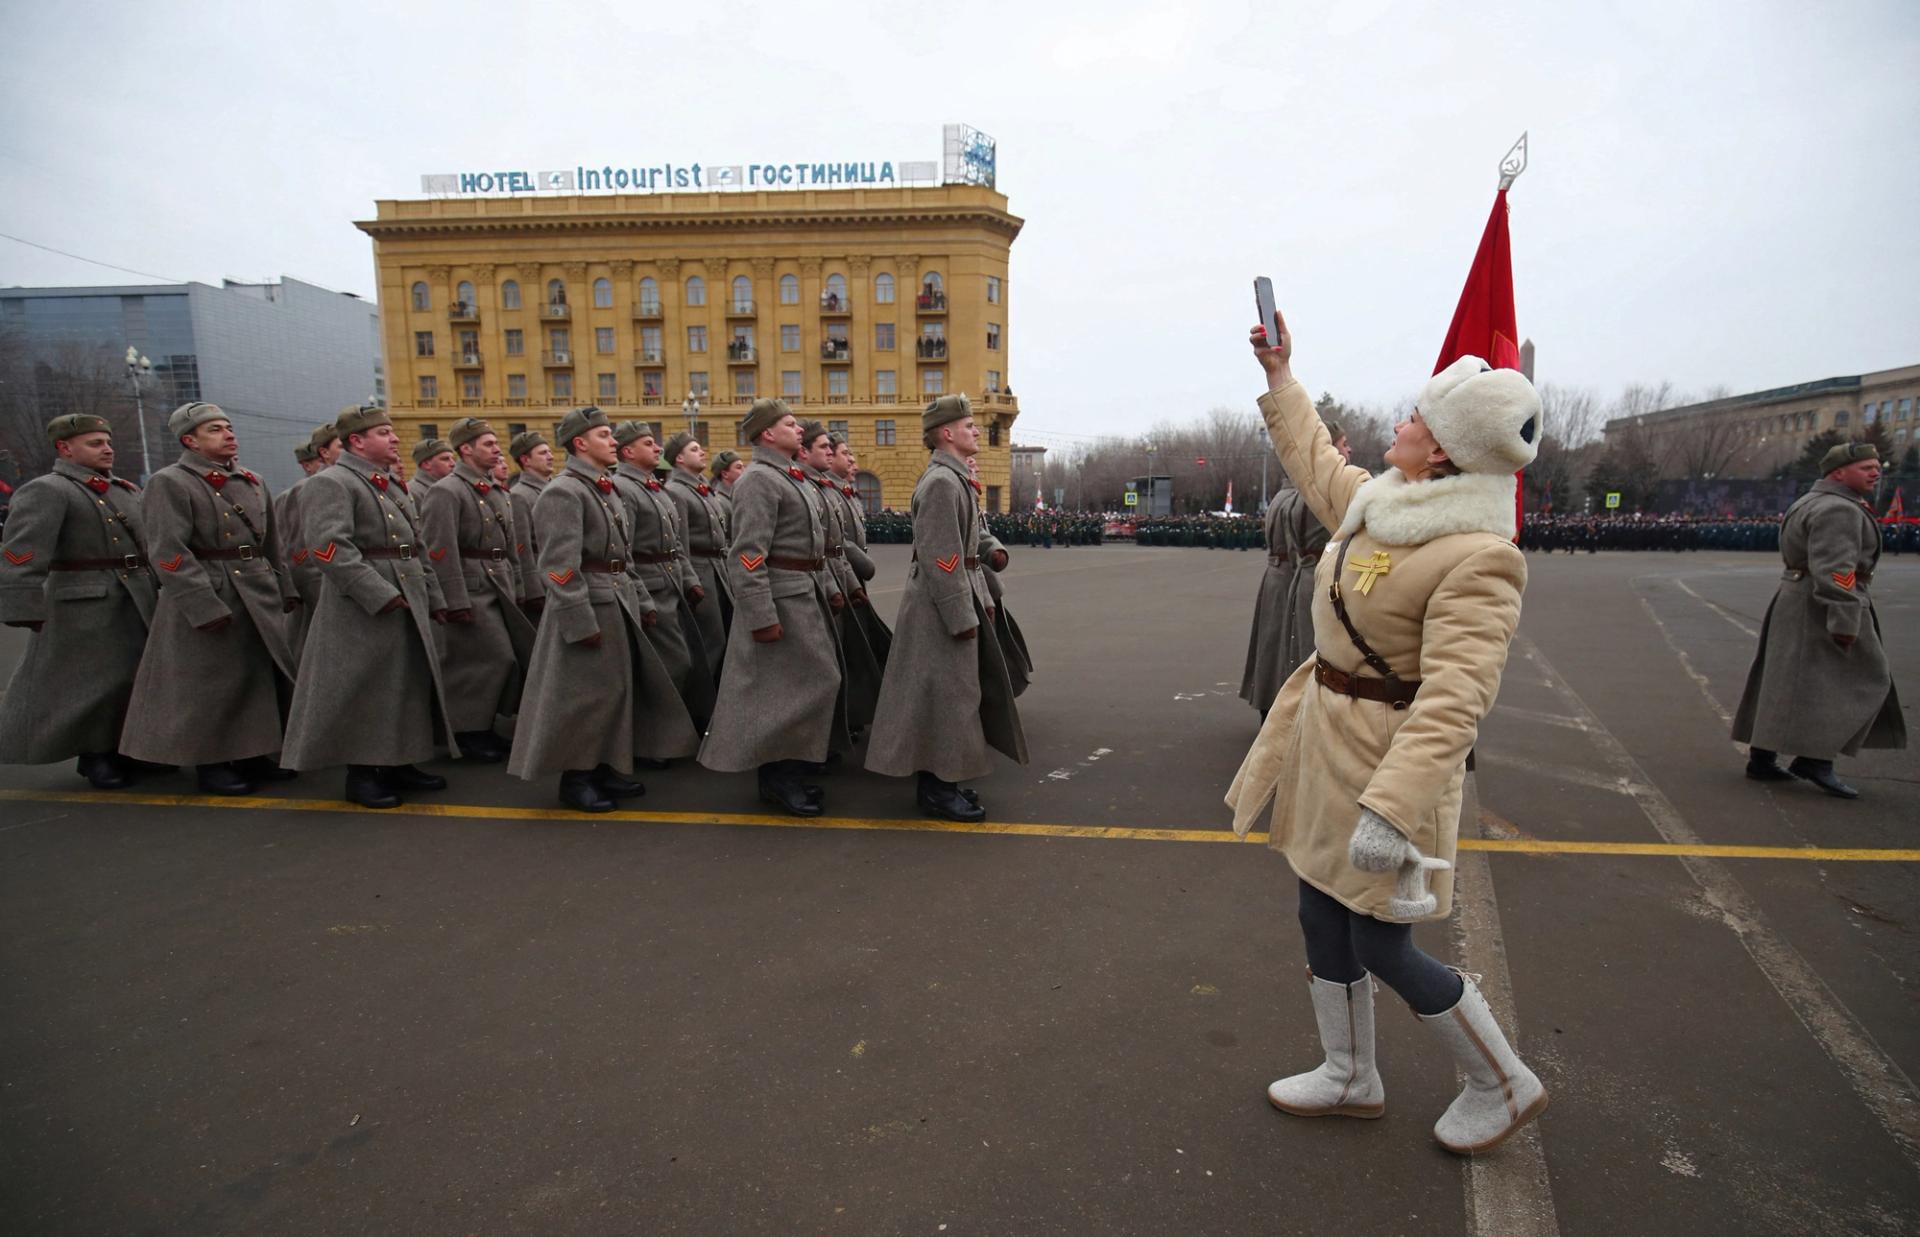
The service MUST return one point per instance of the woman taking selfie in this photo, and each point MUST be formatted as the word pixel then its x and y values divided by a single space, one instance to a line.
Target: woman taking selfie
pixel 1364 752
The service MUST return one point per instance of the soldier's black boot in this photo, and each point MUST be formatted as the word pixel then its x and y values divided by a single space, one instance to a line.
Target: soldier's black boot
pixel 948 801
pixel 608 781
pixel 780 785
pixel 262 769
pixel 366 787
pixel 1764 766
pixel 104 770
pixel 481 745
pixel 406 777
pixel 1820 773
pixel 223 779
pixel 578 791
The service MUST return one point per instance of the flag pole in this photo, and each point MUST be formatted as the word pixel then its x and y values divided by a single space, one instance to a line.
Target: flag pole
pixel 1512 164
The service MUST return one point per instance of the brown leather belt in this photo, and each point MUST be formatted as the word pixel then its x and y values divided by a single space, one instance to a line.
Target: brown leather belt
pixel 796 564
pixel 708 553
pixel 1798 573
pixel 972 563
pixel 496 553
pixel 653 559
pixel 604 566
pixel 837 552
pixel 390 551
pixel 242 552
pixel 1398 693
pixel 1309 556
pixel 1276 560
pixel 126 562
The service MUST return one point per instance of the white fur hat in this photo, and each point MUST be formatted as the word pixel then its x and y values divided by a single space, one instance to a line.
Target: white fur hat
pixel 1487 420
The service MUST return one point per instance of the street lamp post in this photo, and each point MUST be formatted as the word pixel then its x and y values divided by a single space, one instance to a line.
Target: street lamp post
pixel 691 407
pixel 139 367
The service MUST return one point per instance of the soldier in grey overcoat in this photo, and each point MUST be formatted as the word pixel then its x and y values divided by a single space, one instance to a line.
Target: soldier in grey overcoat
pixel 533 456
pixel 704 525
pixel 475 550
pixel 1013 642
pixel 74 573
pixel 853 524
pixel 659 563
pixel 433 459
pixel 948 695
pixel 861 663
pixel 597 694
pixel 323 447
pixel 218 658
pixel 782 703
pixel 1266 666
pixel 372 696
pixel 1820 685
pixel 727 467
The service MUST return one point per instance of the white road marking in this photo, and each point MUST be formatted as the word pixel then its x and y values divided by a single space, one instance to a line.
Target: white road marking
pixel 1719 609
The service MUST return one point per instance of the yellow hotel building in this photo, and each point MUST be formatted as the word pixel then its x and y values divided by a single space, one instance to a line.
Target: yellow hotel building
pixel 855 305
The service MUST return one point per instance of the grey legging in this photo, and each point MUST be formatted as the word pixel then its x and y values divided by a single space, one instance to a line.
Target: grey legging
pixel 1343 945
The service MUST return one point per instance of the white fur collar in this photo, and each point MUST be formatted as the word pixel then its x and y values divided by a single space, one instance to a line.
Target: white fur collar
pixel 1401 512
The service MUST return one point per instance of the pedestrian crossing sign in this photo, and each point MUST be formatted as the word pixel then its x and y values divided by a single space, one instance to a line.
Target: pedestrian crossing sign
pixel 1613 500
pixel 1132 498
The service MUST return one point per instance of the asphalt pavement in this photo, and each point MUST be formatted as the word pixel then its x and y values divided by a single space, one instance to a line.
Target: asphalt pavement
pixel 483 1014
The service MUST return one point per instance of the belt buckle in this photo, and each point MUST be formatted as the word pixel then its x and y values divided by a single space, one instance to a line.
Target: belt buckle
pixel 130 562
pixel 496 553
pixel 246 553
pixel 405 549
pixel 619 565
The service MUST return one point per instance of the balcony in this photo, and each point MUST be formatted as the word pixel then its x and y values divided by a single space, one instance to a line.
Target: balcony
pixel 739 353
pixel 741 307
pixel 1000 399
pixel 462 311
pixel 839 399
pixel 557 360
pixel 467 401
pixel 516 401
pixel 650 356
pixel 833 305
pixel 931 349
pixel 427 401
pixel 836 350
pixel 559 312
pixel 648 311
pixel 467 358
pixel 886 397
pixel 652 399
pixel 931 303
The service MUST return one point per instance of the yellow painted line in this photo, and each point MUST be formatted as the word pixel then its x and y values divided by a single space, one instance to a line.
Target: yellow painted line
pixel 469 811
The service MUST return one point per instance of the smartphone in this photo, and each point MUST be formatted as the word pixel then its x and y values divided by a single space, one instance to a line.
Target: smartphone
pixel 1269 317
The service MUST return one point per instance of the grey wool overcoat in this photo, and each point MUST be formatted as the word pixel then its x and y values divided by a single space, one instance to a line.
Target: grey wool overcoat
pixel 475 550
pixel 703 525
pixel 602 702
pixel 1307 540
pixel 204 697
pixel 524 490
pixel 1013 641
pixel 69 694
pixel 1806 695
pixel 295 561
pixel 660 567
pixel 857 654
pixel 853 525
pixel 1267 665
pixel 785 700
pixel 370 690
pixel 945 700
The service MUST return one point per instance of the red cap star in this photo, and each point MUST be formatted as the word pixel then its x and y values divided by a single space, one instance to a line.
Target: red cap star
pixel 99 485
pixel 216 479
pixel 380 481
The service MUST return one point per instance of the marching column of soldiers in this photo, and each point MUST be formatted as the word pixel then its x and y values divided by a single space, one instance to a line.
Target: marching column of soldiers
pixel 619 603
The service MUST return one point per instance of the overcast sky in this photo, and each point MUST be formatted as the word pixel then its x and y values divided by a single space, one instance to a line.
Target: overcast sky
pixel 1720 193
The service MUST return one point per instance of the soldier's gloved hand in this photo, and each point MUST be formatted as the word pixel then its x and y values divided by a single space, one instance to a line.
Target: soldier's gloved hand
pixel 999 560
pixel 968 634
pixel 398 603
pixel 650 620
pixel 767 635
pixel 219 624
pixel 1377 846
pixel 290 605
pixel 837 603
pixel 860 597
pixel 439 616
pixel 1844 641
pixel 991 613
pixel 29 624
pixel 696 595
pixel 462 617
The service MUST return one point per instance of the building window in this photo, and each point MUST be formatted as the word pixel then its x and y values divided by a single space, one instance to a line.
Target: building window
pixel 562 385
pixel 422 299
pixel 789 384
pixel 603 339
pixel 652 383
pixel 696 339
pixel 603 294
pixel 465 293
pixel 429 390
pixel 1841 418
pixel 837 385
pixel 697 383
pixel 993 436
pixel 650 295
pixel 510 294
pixel 993 289
pixel 696 290
pixel 932 292
pixel 743 386
pixel 837 427
pixel 1905 406
pixel 429 430
pixel 609 389
pixel 884 384
pixel 933 381
pixel 742 294
pixel 883 289
pixel 515 428
pixel 993 380
pixel 469 344
pixel 993 499
pixel 789 290
pixel 470 387
pixel 516 342
pixel 883 434
pixel 557 339
pixel 556 292
pixel 1866 414
pixel 883 337
pixel 837 290
pixel 423 343
pixel 993 337
pixel 740 346
pixel 652 345
pixel 516 386
pixel 789 338
pixel 869 487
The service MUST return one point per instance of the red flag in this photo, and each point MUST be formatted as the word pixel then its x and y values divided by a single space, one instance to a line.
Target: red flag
pixel 1896 508
pixel 1483 323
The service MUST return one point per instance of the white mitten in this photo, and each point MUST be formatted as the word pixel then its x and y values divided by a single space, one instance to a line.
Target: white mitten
pixel 1378 847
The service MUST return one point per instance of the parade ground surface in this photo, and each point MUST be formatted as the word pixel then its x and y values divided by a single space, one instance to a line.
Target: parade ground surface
pixel 482 1014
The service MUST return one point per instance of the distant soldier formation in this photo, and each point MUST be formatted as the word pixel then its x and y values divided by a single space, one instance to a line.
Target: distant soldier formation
pixel 1575 533
pixel 620 603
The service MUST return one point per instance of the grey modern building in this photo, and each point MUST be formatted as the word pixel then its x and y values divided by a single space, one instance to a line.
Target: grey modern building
pixel 279 357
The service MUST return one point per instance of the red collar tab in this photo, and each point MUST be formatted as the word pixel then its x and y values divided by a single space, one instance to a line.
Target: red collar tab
pixel 705 490
pixel 653 485
pixel 483 487
pixel 217 480
pixel 380 481
pixel 796 474
pixel 850 491
pixel 604 484
pixel 99 485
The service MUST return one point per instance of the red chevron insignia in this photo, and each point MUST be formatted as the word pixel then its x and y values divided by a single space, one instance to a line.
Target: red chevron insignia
pixel 18 560
pixel 300 556
pixel 437 555
pixel 173 564
pixel 560 577
pixel 326 555
pixel 947 564
pixel 1844 579
pixel 752 562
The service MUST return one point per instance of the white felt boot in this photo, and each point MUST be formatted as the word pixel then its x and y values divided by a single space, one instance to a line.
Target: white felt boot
pixel 1501 1094
pixel 1346 1084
